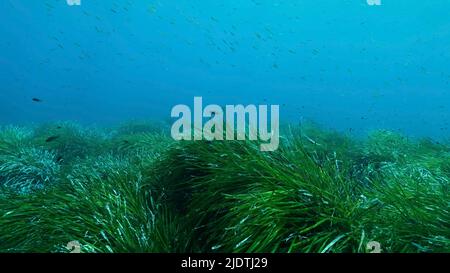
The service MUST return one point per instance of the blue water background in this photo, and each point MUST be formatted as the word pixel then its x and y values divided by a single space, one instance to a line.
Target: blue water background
pixel 342 63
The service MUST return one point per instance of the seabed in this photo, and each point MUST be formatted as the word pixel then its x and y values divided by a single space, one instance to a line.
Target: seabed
pixel 132 188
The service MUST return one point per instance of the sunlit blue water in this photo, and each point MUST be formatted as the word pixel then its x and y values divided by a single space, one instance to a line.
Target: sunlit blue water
pixel 342 63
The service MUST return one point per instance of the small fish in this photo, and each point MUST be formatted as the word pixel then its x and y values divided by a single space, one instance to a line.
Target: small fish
pixel 52 138
pixel 36 100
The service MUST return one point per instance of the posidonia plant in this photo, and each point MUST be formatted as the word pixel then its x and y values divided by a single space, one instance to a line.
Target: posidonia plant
pixel 134 189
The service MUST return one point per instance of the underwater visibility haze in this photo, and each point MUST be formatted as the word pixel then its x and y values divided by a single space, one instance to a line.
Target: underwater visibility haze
pixel 88 157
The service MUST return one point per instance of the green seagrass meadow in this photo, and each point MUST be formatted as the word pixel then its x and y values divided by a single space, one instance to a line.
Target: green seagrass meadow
pixel 132 188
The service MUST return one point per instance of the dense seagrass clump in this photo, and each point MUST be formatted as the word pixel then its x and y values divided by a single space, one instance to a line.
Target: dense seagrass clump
pixel 133 189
